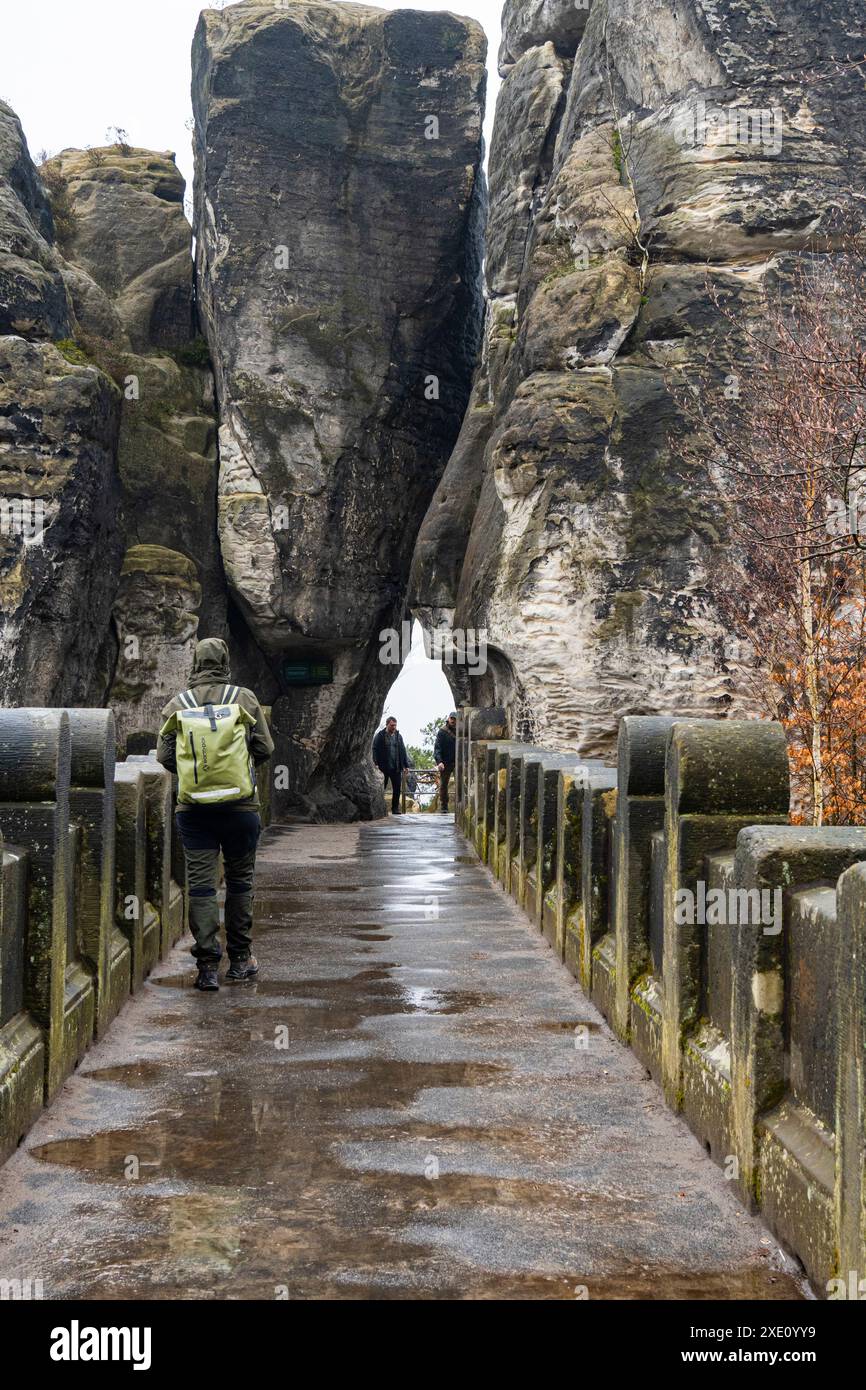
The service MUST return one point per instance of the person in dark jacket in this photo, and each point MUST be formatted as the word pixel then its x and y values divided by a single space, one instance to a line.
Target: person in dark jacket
pixel 445 756
pixel 232 827
pixel 390 757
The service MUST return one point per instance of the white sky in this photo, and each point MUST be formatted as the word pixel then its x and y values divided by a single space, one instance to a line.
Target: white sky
pixel 73 68
pixel 419 694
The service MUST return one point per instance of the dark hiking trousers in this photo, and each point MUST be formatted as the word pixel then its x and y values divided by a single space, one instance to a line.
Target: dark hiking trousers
pixel 444 779
pixel 396 780
pixel 204 831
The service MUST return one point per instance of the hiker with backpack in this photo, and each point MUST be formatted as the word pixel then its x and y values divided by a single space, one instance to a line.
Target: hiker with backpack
pixel 213 736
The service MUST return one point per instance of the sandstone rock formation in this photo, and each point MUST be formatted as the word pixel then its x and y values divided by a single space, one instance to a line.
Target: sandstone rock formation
pixel 129 272
pixel 33 298
pixel 107 434
pixel 59 528
pixel 156 617
pixel 130 234
pixel 641 150
pixel 338 219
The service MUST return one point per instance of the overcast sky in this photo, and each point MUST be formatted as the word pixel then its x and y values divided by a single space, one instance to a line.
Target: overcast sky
pixel 72 68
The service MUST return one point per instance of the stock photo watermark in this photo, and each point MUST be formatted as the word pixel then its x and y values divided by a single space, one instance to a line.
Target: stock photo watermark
pixel 451 646
pixel 704 125
pixel 24 518
pixel 729 907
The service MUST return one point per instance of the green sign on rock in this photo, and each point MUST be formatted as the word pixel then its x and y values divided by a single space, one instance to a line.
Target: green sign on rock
pixel 308 672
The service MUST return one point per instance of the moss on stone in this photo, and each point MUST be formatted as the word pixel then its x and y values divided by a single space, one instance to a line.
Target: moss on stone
pixel 74 353
pixel 195 353
pixel 156 559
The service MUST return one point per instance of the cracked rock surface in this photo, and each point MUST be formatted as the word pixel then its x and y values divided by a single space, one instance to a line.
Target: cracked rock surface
pixel 645 156
pixel 338 218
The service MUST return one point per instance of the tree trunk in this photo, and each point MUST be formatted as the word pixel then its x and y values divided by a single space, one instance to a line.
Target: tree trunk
pixel 810 668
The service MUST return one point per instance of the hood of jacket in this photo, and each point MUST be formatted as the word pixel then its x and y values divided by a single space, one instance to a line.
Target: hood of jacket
pixel 211 662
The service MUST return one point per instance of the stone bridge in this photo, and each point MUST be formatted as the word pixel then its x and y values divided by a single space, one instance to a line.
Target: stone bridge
pixel 421 1097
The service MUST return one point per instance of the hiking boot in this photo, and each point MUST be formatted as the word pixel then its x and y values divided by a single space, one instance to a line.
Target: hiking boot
pixel 207 978
pixel 243 969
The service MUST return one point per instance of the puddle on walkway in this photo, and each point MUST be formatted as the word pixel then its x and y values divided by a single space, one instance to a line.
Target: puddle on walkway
pixel 133 1074
pixel 216 1130
pixel 424 999
pixel 567 1026
pixel 310 1165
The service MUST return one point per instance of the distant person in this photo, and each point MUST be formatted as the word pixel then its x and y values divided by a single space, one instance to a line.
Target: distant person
pixel 212 736
pixel 390 757
pixel 445 756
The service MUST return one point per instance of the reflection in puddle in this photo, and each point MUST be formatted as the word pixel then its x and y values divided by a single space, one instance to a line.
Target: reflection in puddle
pixel 241 988
pixel 567 1025
pixel 218 1131
pixel 427 1000
pixel 133 1074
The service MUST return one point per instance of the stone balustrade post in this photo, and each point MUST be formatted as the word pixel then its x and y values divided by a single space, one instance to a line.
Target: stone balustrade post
pixel 136 918
pixel 640 811
pixel 23 1056
pixel 35 755
pixel 162 892
pixel 771 858
pixel 721 776
pixel 850 1168
pixel 103 947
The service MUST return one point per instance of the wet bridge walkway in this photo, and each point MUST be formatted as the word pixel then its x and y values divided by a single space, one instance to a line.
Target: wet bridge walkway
pixel 401 1107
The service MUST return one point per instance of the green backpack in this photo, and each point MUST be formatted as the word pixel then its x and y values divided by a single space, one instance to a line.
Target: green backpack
pixel 213 760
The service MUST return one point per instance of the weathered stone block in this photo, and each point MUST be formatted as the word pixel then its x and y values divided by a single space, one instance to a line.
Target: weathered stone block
pixel 135 916
pixel 796 1177
pixel 527 847
pixel 640 810
pixel 500 852
pixel 159 819
pixel 850 1120
pixel 706 1063
pixel 545 872
pixel 721 776
pixel 34 813
pixel 23 1057
pixel 770 859
pixel 571 785
pixel 103 948
pixel 596 949
pixel 79 991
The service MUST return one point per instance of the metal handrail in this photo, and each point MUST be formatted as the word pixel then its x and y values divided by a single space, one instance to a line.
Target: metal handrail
pixel 428 776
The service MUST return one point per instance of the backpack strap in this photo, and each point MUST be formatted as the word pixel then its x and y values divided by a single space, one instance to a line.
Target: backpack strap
pixel 187 700
pixel 230 694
